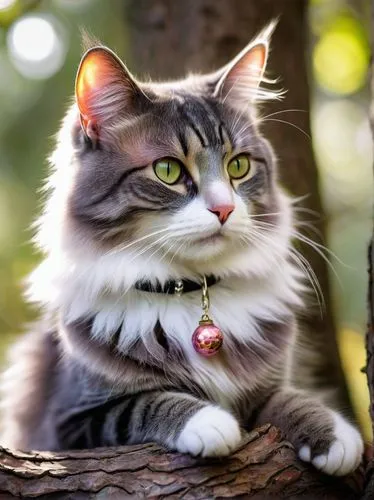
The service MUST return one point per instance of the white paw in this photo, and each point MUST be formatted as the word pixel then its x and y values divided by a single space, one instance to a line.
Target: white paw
pixel 344 454
pixel 211 432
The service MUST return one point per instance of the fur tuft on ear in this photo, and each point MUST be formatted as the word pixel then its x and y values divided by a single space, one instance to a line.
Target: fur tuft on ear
pixel 241 79
pixel 104 89
pixel 88 40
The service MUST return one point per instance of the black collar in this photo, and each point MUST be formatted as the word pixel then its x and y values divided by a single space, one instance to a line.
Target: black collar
pixel 175 287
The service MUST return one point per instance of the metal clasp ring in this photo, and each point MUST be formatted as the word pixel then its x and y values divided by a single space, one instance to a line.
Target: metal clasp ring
pixel 205 300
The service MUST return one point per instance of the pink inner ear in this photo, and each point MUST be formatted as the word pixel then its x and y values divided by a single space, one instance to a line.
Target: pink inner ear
pixel 255 59
pixel 95 73
pixel 245 74
pixel 251 65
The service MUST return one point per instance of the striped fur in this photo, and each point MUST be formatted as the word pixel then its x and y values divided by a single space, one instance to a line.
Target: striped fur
pixel 116 365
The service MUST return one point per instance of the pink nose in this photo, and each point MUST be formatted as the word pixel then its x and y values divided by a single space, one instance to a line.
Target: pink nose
pixel 222 212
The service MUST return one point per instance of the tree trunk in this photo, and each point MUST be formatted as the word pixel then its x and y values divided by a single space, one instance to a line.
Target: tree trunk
pixel 264 467
pixel 170 37
pixel 369 490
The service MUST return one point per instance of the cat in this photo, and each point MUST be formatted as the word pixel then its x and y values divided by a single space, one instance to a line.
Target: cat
pixel 155 186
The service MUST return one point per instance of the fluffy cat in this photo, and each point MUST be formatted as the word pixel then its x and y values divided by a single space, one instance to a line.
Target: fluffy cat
pixel 153 183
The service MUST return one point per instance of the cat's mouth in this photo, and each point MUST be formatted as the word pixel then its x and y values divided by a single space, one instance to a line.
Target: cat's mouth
pixel 211 238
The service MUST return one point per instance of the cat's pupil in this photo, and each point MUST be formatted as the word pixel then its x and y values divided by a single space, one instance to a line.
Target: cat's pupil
pixel 168 169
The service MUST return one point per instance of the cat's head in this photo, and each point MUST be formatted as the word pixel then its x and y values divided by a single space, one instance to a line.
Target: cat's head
pixel 176 173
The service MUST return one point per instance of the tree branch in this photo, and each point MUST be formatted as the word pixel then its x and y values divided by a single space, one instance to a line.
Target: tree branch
pixel 264 467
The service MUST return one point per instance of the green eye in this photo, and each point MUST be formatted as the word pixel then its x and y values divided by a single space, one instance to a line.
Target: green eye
pixel 167 170
pixel 239 167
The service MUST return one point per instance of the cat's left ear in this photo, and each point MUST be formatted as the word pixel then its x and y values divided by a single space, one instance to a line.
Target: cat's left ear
pixel 240 80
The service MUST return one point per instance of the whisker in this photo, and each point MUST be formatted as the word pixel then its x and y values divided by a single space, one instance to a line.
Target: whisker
pixel 307 211
pixel 319 248
pixel 309 226
pixel 171 227
pixel 287 123
pixel 237 117
pixel 161 247
pixel 290 110
pixel 120 248
pixel 316 246
pixel 312 277
pixel 177 251
pixel 148 247
pixel 253 216
pixel 300 260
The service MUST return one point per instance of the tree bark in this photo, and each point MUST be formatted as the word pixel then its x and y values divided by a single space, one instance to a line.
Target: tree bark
pixel 264 467
pixel 369 490
pixel 170 37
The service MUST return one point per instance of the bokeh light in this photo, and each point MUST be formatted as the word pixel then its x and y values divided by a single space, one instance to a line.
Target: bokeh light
pixel 343 147
pixel 341 56
pixel 6 4
pixel 37 46
pixel 9 10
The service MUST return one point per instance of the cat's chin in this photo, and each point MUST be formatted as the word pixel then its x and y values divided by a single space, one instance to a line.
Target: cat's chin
pixel 212 239
pixel 207 247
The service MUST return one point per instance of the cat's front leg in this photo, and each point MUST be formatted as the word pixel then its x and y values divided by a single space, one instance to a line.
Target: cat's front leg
pixel 320 435
pixel 176 420
pixel 186 424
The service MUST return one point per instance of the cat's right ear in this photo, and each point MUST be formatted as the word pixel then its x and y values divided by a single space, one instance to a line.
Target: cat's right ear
pixel 104 90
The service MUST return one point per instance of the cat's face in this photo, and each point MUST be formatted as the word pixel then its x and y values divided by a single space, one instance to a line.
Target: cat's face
pixel 177 171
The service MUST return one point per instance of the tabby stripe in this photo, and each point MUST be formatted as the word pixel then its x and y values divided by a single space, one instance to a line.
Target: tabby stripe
pixel 144 416
pixel 183 141
pixel 220 133
pixel 147 195
pixel 161 336
pixel 115 186
pixel 95 428
pixel 109 433
pixel 150 410
pixel 77 417
pixel 113 344
pixel 259 159
pixel 123 421
pixel 168 403
pixel 121 218
pixel 211 118
pixel 191 124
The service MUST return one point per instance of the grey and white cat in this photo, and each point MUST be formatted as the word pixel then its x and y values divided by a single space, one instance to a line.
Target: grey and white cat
pixel 155 183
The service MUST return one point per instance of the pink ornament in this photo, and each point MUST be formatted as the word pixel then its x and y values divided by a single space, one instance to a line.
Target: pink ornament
pixel 207 339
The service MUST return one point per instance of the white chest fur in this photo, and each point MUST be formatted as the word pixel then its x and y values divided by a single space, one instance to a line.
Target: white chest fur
pixel 237 307
pixel 239 303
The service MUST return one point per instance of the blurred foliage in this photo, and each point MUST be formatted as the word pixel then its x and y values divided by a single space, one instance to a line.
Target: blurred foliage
pixel 39 54
pixel 31 110
pixel 11 10
pixel 341 54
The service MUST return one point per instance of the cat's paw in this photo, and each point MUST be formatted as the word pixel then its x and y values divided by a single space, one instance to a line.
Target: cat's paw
pixel 344 453
pixel 211 432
